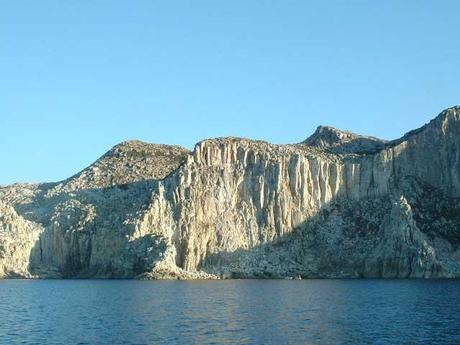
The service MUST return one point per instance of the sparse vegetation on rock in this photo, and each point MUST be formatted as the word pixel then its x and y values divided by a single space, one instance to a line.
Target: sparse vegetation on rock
pixel 335 205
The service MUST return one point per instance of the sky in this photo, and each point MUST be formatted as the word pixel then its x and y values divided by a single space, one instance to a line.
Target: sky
pixel 78 77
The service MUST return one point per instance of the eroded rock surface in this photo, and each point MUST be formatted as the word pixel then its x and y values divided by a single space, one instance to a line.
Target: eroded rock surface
pixel 335 205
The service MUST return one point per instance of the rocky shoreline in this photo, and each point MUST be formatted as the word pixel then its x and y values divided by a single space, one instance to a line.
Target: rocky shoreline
pixel 337 205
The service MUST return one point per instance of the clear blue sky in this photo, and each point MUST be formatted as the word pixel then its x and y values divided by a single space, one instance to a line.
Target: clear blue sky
pixel 77 77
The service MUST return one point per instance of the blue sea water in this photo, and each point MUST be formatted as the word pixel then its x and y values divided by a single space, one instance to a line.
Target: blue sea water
pixel 230 312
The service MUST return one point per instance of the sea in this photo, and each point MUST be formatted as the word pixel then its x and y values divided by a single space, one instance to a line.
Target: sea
pixel 281 312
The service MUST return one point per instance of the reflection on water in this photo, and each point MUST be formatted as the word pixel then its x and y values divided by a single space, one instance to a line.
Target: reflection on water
pixel 230 312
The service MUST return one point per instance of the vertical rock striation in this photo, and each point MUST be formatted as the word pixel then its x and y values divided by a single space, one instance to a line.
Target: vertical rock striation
pixel 335 205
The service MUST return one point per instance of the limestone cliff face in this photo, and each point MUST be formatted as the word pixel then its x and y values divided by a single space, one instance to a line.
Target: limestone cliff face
pixel 17 239
pixel 335 205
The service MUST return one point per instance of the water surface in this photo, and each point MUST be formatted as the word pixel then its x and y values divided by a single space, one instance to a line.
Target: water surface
pixel 230 312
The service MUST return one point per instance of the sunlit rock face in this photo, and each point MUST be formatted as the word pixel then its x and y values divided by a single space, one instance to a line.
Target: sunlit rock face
pixel 336 205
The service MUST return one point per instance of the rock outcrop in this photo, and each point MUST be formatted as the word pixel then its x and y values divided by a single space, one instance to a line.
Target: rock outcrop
pixel 335 205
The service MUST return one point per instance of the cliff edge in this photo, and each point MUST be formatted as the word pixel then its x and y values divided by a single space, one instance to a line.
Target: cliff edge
pixel 335 205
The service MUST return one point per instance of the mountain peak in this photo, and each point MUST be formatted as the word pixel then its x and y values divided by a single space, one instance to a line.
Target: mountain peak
pixel 128 162
pixel 339 141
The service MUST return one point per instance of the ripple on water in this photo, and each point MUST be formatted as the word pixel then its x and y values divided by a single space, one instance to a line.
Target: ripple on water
pixel 230 312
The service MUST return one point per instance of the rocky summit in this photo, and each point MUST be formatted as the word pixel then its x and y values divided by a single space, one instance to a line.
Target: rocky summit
pixel 335 205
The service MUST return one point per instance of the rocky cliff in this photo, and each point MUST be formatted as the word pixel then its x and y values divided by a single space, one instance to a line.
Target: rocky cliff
pixel 336 205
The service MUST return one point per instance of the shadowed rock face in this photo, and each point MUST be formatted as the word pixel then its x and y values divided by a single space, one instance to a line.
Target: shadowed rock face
pixel 335 205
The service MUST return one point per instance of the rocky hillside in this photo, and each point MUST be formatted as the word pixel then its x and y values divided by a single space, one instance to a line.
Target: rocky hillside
pixel 336 205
